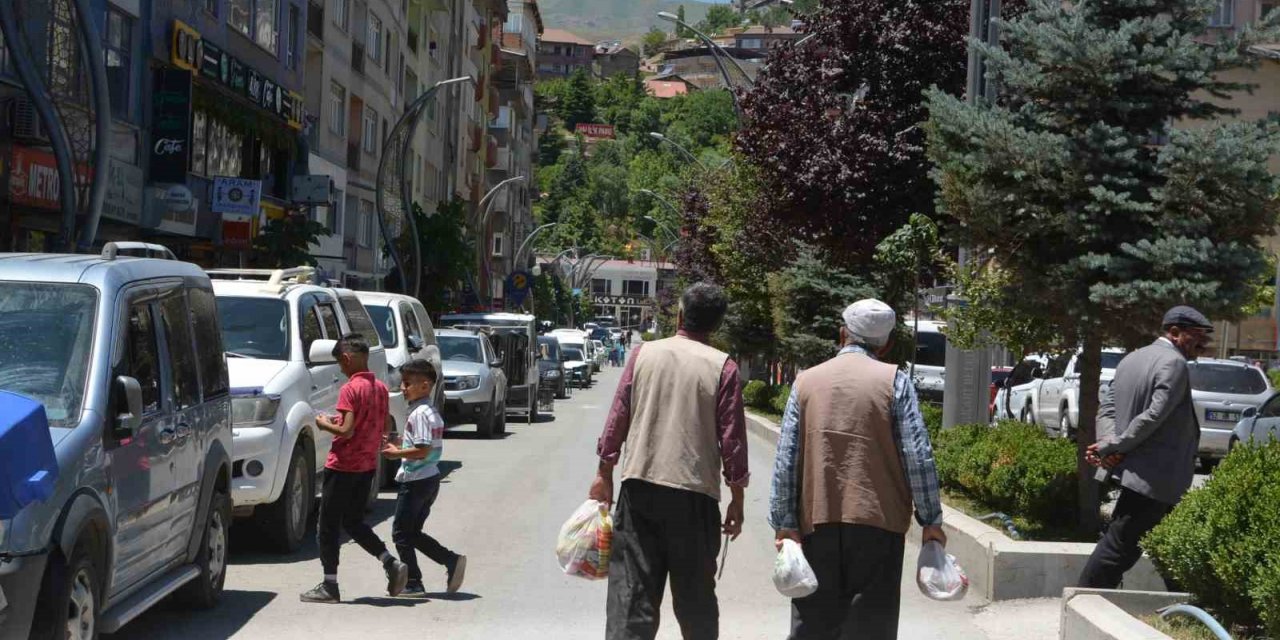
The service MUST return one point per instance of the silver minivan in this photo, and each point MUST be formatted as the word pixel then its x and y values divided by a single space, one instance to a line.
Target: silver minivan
pixel 126 358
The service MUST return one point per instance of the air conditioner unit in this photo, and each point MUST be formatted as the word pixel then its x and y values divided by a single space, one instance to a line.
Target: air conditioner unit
pixel 26 121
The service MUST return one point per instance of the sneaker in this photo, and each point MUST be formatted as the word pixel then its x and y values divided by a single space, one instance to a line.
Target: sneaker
pixel 397 577
pixel 324 593
pixel 414 590
pixel 457 571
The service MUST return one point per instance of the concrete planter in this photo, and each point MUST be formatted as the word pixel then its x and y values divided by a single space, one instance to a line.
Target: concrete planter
pixel 1102 614
pixel 1000 568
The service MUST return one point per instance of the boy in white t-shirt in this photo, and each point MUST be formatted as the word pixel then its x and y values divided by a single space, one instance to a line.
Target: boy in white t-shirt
pixel 419 479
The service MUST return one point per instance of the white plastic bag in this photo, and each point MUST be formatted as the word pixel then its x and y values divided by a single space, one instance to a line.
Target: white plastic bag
pixel 938 575
pixel 585 541
pixel 792 574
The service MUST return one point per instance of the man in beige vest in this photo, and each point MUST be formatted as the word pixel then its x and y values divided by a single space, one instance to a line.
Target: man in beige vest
pixel 853 457
pixel 677 416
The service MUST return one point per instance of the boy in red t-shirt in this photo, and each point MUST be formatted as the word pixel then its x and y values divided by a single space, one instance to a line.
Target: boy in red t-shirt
pixel 349 472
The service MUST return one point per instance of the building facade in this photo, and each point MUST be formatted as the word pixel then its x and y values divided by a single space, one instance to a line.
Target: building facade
pixel 612 58
pixel 561 53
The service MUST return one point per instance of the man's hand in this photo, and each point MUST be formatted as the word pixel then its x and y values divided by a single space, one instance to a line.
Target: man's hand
pixel 390 450
pixel 602 488
pixel 1093 457
pixel 785 534
pixel 933 532
pixel 733 520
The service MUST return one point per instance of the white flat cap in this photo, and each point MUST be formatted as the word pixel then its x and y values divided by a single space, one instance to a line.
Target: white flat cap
pixel 871 320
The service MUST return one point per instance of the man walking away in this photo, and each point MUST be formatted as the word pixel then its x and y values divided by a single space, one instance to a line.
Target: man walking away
pixel 853 457
pixel 678 409
pixel 1148 437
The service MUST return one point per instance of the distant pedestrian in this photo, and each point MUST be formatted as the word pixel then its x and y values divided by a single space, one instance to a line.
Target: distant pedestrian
pixel 618 354
pixel 853 457
pixel 678 418
pixel 1148 439
pixel 351 469
pixel 419 479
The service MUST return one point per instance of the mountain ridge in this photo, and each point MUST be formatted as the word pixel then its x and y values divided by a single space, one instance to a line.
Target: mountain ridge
pixel 616 19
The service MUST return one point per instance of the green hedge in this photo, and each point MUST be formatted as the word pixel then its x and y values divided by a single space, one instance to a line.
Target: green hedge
pixel 1222 542
pixel 1011 467
pixel 932 415
pixel 757 394
pixel 781 394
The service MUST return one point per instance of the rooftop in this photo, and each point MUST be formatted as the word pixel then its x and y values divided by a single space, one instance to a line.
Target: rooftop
pixel 562 36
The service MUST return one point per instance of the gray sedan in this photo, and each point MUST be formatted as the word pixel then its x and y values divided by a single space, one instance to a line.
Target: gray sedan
pixel 1222 390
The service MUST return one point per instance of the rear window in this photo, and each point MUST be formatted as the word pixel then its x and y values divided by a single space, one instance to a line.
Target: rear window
pixel 1225 378
pixel 359 319
pixel 1111 360
pixel 931 349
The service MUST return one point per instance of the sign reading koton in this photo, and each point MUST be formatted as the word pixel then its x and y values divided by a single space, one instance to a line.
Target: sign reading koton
pixel 236 195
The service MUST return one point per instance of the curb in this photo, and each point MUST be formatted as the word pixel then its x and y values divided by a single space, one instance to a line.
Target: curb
pixel 1103 614
pixel 764 428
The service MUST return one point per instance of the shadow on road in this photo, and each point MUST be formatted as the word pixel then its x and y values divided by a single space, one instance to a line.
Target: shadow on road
pixel 234 611
pixel 454 597
pixel 454 434
pixel 248 547
pixel 384 602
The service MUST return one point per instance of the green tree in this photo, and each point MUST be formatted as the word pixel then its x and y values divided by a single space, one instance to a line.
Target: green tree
pixel 681 32
pixel 653 40
pixel 1097 215
pixel 447 254
pixel 577 102
pixel 808 298
pixel 285 242
pixel 616 99
pixel 719 18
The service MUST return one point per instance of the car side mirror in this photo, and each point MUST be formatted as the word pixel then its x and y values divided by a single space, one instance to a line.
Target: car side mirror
pixel 1249 412
pixel 126 424
pixel 321 352
pixel 416 344
pixel 495 363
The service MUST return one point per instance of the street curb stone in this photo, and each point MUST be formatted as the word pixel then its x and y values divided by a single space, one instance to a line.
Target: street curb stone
pixel 1102 614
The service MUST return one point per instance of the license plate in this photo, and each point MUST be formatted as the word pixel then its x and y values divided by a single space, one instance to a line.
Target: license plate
pixel 1222 416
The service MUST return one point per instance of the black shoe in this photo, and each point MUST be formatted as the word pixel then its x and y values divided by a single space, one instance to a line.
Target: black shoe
pixel 324 593
pixel 397 576
pixel 457 571
pixel 414 590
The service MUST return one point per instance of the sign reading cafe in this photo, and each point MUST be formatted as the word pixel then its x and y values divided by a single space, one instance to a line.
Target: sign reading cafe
pixel 209 61
pixel 170 125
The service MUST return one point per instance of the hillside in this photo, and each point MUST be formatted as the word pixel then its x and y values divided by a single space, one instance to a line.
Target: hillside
pixel 615 19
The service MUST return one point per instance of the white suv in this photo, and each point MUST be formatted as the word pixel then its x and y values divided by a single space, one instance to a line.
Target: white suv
pixel 279 331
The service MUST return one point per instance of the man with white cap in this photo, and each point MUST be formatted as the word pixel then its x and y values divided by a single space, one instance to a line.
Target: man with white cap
pixel 853 457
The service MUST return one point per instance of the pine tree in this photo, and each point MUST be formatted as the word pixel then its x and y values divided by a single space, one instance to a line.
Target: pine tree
pixel 1098 217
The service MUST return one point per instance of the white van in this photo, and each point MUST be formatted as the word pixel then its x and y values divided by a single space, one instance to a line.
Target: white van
pixel 577 353
pixel 930 363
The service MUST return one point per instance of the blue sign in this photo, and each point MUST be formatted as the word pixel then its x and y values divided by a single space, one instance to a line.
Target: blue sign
pixel 518 284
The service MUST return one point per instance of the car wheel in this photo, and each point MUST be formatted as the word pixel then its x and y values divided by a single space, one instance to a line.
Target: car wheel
pixel 205 591
pixel 1064 426
pixel 500 419
pixel 562 391
pixel 69 600
pixel 487 422
pixel 1025 415
pixel 1231 444
pixel 533 405
pixel 284 522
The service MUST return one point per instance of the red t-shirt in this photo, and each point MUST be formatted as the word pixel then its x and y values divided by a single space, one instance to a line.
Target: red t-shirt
pixel 366 398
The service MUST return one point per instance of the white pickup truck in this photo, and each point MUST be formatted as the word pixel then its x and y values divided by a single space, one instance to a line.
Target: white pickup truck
pixel 1056 405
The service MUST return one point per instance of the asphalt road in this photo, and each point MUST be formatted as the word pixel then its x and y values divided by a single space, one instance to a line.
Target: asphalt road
pixel 502 505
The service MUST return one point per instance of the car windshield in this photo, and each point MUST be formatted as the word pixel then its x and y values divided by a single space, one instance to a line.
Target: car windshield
pixel 931 349
pixel 568 354
pixel 46 338
pixel 254 327
pixel 463 349
pixel 1111 360
pixel 550 348
pixel 1225 378
pixel 385 322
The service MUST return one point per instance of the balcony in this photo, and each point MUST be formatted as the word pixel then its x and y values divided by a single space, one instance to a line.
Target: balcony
pixel 357 57
pixel 413 41
pixel 491 155
pixel 315 20
pixel 353 155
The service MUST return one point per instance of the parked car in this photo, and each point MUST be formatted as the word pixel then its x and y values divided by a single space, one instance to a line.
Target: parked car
pixel 1221 391
pixel 1015 400
pixel 551 368
pixel 515 340
pixel 930 365
pixel 575 352
pixel 998 376
pixel 405 331
pixel 1257 426
pixel 279 330
pixel 475 386
pixel 125 355
pixel 1057 403
pixel 601 354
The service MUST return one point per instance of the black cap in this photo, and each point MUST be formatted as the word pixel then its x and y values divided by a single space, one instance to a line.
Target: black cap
pixel 1184 316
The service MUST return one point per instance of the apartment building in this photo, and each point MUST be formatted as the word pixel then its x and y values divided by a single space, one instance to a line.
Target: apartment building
pixel 560 53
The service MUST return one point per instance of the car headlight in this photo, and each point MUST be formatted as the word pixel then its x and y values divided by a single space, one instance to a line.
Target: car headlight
pixel 551 373
pixel 257 411
pixel 468 382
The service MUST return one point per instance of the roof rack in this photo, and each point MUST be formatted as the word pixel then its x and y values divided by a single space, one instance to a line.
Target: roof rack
pixel 273 277
pixel 111 250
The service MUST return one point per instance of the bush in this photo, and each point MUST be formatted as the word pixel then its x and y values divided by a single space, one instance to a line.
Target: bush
pixel 757 394
pixel 932 415
pixel 1274 374
pixel 1222 542
pixel 781 394
pixel 1011 467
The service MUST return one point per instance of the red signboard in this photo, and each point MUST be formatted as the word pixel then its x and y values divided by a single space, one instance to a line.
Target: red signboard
pixel 34 179
pixel 237 232
pixel 596 130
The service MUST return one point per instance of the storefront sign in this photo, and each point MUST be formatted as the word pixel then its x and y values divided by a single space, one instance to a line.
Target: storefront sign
pixel 123 199
pixel 605 131
pixel 170 125
pixel 209 61
pixel 236 195
pixel 237 232
pixel 626 301
pixel 174 221
pixel 34 180
pixel 178 198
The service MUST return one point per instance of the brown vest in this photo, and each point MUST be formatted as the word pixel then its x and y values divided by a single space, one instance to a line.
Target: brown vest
pixel 850 466
pixel 673 441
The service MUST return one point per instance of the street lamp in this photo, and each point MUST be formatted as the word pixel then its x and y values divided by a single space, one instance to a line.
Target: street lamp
pixel 666 203
pixel 724 71
pixel 529 239
pixel 664 227
pixel 692 158
pixel 486 204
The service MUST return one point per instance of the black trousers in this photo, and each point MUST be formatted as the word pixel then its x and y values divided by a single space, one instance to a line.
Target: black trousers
pixel 660 532
pixel 859 571
pixel 1119 550
pixel 342 501
pixel 413 506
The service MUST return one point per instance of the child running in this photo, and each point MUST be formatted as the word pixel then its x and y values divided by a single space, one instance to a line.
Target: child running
pixel 419 479
pixel 350 469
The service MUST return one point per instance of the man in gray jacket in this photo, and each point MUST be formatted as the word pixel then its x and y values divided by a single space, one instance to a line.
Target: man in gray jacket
pixel 1148 437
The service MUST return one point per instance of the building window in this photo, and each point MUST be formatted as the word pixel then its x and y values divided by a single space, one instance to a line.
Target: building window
pixel 341 15
pixel 291 43
pixel 499 244
pixel 364 228
pixel 211 6
pixel 241 15
pixel 255 19
pixel 370 130
pixel 635 288
pixel 337 109
pixel 266 28
pixel 1224 15
pixel 64 55
pixel 373 40
pixel 215 149
pixel 333 220
pixel 601 287
pixel 118 50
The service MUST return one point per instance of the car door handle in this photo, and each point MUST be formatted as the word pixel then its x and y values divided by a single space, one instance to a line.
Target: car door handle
pixel 167 436
pixel 183 431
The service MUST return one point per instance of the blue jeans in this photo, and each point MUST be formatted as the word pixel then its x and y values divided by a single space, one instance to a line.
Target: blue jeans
pixel 413 505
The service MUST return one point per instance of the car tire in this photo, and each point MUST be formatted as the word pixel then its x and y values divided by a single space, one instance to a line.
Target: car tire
pixel 284 522
pixel 1024 416
pixel 70 599
pixel 533 405
pixel 500 419
pixel 1231 444
pixel 486 424
pixel 1065 430
pixel 562 391
pixel 205 591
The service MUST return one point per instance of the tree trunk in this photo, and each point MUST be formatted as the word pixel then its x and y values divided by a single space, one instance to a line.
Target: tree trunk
pixel 1090 370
